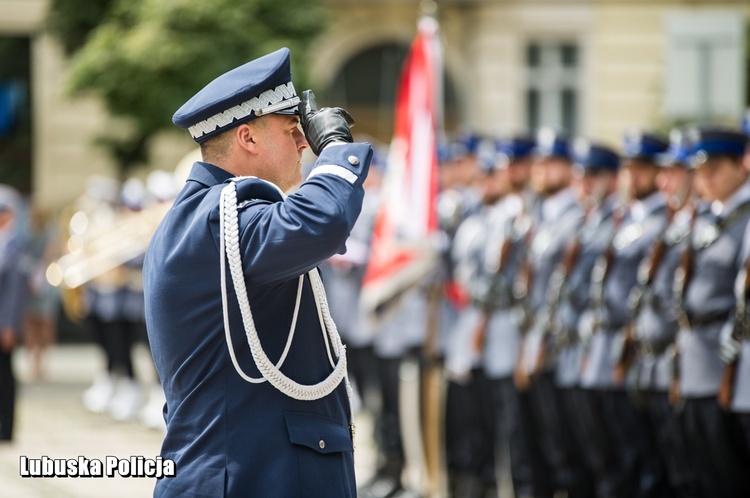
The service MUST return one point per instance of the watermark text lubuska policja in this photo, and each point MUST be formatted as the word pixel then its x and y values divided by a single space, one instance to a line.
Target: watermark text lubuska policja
pixel 112 466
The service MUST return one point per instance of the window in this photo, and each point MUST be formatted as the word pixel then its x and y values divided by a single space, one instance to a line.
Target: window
pixel 15 113
pixel 553 72
pixel 705 66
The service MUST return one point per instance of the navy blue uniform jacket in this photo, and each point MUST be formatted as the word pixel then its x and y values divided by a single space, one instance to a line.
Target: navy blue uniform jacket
pixel 228 437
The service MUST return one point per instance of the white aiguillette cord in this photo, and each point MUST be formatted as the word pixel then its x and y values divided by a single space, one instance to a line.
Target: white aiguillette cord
pixel 229 250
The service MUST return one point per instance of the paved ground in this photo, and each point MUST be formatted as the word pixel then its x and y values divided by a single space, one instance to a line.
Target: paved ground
pixel 51 421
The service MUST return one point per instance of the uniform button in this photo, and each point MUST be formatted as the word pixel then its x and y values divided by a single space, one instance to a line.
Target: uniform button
pixel 353 160
pixel 322 444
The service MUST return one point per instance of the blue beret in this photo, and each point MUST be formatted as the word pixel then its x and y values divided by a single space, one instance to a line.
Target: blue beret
pixel 678 153
pixel 470 142
pixel 645 146
pixel 449 151
pixel 505 151
pixel 552 143
pixel 486 154
pixel 259 87
pixel 707 142
pixel 592 158
pixel 515 147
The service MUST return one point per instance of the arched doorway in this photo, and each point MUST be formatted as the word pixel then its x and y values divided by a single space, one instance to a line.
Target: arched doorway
pixel 366 86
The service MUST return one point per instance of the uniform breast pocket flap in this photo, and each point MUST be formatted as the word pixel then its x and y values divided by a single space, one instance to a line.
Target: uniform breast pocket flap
pixel 318 432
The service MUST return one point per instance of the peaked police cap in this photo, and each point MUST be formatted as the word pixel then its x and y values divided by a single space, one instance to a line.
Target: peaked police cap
pixel 259 87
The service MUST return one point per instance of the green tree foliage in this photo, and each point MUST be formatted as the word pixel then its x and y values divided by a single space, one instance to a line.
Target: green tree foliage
pixel 73 20
pixel 145 58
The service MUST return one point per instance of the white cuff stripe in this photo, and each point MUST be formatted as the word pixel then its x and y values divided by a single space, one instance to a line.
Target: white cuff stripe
pixel 332 169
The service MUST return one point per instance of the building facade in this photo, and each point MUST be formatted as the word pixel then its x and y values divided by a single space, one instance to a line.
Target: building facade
pixel 591 67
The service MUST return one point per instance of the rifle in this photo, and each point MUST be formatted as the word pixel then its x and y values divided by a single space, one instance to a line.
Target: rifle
pixel 645 280
pixel 683 275
pixel 521 287
pixel 558 281
pixel 480 332
pixel 518 229
pixel 601 271
pixel 740 331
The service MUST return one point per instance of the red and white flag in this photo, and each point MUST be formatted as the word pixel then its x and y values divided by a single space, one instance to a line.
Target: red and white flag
pixel 403 249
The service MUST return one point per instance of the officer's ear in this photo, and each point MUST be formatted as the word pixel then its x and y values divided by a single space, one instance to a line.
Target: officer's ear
pixel 246 136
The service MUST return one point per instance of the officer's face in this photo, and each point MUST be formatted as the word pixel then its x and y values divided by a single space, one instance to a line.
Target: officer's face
pixel 673 181
pixel 518 174
pixel 467 170
pixel 550 175
pixel 5 218
pixel 594 185
pixel 494 185
pixel 720 177
pixel 280 146
pixel 641 178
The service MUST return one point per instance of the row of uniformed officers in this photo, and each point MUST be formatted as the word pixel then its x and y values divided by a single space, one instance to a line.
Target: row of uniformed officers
pixel 593 328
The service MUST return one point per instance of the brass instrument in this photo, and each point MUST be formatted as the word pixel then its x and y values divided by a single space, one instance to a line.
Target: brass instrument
pixel 101 239
pixel 95 251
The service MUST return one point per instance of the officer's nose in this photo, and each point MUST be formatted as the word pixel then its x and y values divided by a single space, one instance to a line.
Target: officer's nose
pixel 300 140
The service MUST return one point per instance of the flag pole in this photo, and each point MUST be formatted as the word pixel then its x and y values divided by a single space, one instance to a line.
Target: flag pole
pixel 432 379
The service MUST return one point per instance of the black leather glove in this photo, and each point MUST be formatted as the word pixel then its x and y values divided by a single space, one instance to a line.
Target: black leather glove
pixel 321 127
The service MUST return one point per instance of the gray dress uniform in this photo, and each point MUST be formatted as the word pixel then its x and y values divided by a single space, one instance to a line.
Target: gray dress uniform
pixel 557 465
pixel 480 362
pixel 636 468
pixel 720 246
pixel 631 243
pixel 583 407
pixel 710 298
pixel 482 409
pixel 656 331
pixel 503 335
pixel 560 218
pixel 476 253
pixel 469 430
pixel 594 238
pixel 657 324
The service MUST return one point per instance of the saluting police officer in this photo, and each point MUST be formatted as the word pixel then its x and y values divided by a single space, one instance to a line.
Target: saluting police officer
pixel 718 249
pixel 596 167
pixel 558 216
pixel 250 361
pixel 635 471
pixel 484 342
